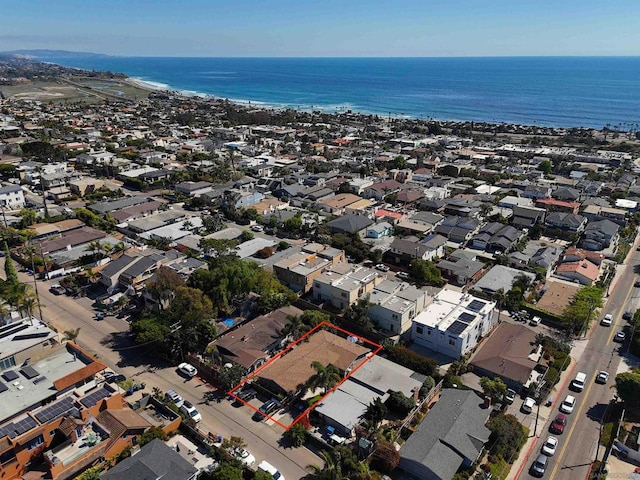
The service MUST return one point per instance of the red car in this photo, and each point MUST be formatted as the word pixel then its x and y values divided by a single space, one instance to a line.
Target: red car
pixel 557 426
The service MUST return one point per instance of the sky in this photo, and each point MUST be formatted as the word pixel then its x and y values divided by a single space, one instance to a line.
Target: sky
pixel 327 28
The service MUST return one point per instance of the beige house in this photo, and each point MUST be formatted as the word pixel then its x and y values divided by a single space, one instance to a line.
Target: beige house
pixel 343 284
pixel 338 204
pixel 300 270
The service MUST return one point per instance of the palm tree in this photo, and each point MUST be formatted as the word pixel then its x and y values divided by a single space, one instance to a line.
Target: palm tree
pixel 93 247
pixel 71 335
pixel 325 377
pixel 118 249
pixel 107 248
pixel 294 328
pixel 332 469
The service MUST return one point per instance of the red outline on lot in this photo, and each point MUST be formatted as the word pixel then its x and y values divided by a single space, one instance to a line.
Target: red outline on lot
pixel 376 348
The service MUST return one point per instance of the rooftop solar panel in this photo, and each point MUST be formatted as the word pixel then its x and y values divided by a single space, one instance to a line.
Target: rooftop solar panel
pixel 15 429
pixel 94 397
pixel 55 410
pixel 28 336
pixel 466 317
pixel 10 375
pixel 3 387
pixel 476 305
pixel 456 328
pixel 29 372
pixel 19 328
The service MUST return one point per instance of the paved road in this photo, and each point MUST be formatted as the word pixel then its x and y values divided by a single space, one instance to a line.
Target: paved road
pixel 108 340
pixel 579 443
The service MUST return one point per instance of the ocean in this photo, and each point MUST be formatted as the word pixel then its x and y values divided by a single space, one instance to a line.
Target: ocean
pixel 544 91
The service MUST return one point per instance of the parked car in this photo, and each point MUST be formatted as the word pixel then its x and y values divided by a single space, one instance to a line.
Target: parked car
pixel 509 396
pixel 602 377
pixel 558 424
pixel 528 404
pixel 607 320
pixel 245 457
pixel 266 409
pixel 539 466
pixel 382 267
pixel 403 275
pixel 268 468
pixel 190 411
pixel 257 228
pixel 245 396
pixel 620 336
pixel 100 316
pixel 174 397
pixel 57 289
pixel 549 446
pixel 187 369
pixel 627 315
pixel 113 377
pixel 568 404
pixel 535 321
pixel 637 283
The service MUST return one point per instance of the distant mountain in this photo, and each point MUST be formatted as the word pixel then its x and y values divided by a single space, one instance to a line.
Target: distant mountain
pixel 52 54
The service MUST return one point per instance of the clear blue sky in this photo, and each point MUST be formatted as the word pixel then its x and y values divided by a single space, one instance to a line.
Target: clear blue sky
pixel 325 28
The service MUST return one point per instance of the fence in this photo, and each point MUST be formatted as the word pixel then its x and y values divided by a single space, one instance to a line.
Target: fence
pixel 432 393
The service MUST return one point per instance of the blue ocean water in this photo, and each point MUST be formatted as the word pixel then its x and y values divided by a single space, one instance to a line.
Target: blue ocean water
pixel 551 91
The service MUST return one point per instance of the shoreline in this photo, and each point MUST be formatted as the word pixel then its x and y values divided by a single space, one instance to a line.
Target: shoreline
pixel 335 109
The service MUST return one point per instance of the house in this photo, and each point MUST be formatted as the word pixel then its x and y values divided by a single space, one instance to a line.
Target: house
pixel 496 237
pixel 343 284
pixel 251 344
pixel 566 194
pixel 457 229
pixel 546 257
pixel 337 205
pixel 193 189
pixel 392 305
pixel 12 197
pixel 527 217
pixel 510 353
pixel 344 408
pixel 453 323
pixel 511 202
pixel 537 191
pixel 597 212
pixel 154 461
pixel 350 224
pixel 583 272
pixel 573 254
pixel 460 271
pixel 84 186
pixel 568 222
pixel 501 278
pixel 403 250
pixel 556 296
pixel 379 230
pixel 452 435
pixel 381 189
pixel 600 235
pixel 292 370
pixel 241 198
pixel 553 205
pixel 300 270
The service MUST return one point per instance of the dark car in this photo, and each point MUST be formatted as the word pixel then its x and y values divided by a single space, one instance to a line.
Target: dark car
pixel 539 466
pixel 57 289
pixel 558 424
pixel 266 409
pixel 112 377
pixel 627 315
pixel 245 396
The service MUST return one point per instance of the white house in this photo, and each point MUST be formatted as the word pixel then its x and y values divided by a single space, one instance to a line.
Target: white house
pixel 12 197
pixel 394 304
pixel 453 323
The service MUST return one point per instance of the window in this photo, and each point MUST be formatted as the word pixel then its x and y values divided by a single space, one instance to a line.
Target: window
pixel 7 362
pixel 419 330
pixel 35 442
pixel 452 342
pixel 394 316
pixel 344 294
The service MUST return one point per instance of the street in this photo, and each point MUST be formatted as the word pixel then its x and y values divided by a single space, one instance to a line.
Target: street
pixel 578 445
pixel 108 340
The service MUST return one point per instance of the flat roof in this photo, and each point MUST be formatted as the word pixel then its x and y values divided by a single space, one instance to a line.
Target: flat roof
pixel 24 394
pixel 173 231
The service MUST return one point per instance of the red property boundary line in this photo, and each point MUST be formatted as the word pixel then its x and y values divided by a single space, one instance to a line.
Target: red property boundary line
pixel 375 349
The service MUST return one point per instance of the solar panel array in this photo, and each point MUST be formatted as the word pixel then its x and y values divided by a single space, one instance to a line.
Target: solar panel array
pixel 56 410
pixel 3 387
pixel 15 429
pixel 11 331
pixel 476 305
pixel 29 372
pixel 39 379
pixel 94 397
pixel 466 317
pixel 28 336
pixel 10 375
pixel 457 327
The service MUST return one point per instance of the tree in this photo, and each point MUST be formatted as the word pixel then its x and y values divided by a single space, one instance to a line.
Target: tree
pixel 28 216
pixel 376 412
pixel 9 268
pixel 358 314
pixel 226 471
pixel 494 388
pixel 261 475
pixel 546 167
pixel 151 434
pixel 425 272
pixel 233 442
pixel 296 435
pixel 246 235
pixel 628 387
pixel 398 402
pixel 162 286
pixel 213 223
pixel 412 360
pixel 507 435
pixel 230 376
pixel 72 335
pixel 325 377
pixel 385 457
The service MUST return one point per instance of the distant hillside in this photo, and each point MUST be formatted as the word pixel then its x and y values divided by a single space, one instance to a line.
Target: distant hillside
pixel 51 53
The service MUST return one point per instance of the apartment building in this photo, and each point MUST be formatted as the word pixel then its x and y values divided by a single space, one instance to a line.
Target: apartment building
pixel 300 270
pixel 343 284
pixel 395 304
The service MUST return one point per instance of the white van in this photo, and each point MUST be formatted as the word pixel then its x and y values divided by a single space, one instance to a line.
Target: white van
pixel 268 468
pixel 578 382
